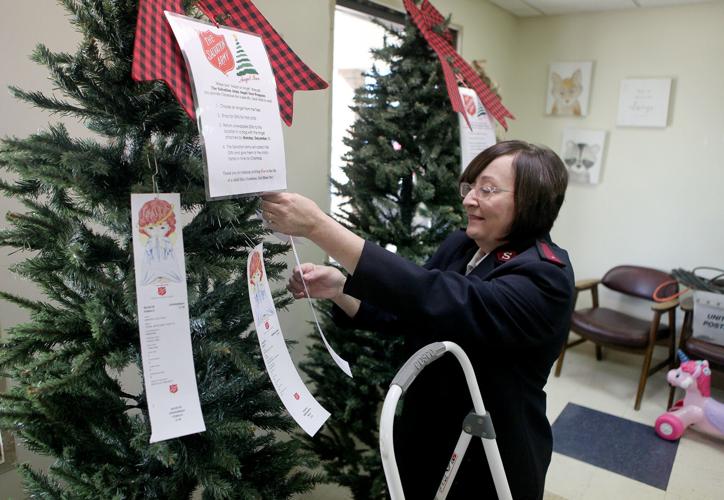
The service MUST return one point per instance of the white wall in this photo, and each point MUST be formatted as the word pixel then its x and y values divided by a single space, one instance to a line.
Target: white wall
pixel 659 200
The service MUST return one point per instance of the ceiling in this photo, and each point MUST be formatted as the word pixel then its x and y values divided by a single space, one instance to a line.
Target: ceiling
pixel 531 8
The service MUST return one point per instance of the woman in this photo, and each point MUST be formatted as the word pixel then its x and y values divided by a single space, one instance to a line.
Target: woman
pixel 500 289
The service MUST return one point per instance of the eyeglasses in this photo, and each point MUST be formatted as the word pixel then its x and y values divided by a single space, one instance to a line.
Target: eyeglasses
pixel 482 192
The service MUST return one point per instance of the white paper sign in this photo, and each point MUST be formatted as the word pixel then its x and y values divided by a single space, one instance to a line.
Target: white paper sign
pixel 295 396
pixel 163 317
pixel 236 108
pixel 341 363
pixel 708 322
pixel 644 102
pixel 482 135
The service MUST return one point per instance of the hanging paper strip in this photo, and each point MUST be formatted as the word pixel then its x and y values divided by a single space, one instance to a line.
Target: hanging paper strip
pixel 341 363
pixel 454 67
pixel 163 317
pixel 290 387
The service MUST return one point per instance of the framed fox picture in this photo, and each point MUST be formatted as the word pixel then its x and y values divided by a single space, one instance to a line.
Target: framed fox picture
pixel 569 88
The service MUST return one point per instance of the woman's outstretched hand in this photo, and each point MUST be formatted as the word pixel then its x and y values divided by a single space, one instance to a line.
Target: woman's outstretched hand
pixel 291 213
pixel 323 282
pixel 295 215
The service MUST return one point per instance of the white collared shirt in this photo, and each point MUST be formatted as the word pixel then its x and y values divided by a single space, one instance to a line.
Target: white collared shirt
pixel 477 259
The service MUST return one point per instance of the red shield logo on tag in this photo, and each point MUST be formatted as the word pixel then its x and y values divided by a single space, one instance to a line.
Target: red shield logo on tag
pixel 216 51
pixel 162 290
pixel 469 103
pixel 266 325
pixel 297 396
pixel 173 388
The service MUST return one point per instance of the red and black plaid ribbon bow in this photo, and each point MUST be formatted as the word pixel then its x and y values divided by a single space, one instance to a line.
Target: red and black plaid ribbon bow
pixel 156 55
pixel 425 18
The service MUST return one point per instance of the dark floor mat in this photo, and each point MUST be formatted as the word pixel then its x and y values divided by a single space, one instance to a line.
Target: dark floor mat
pixel 615 444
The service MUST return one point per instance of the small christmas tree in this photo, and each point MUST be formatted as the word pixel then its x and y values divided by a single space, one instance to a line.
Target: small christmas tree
pixel 68 401
pixel 402 167
pixel 243 63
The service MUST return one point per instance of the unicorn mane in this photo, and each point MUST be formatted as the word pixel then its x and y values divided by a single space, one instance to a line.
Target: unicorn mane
pixel 700 371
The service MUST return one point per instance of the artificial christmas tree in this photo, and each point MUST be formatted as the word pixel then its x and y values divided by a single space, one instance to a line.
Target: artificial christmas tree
pixel 402 167
pixel 68 401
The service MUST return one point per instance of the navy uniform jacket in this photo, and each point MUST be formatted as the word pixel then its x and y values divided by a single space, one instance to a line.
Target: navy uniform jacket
pixel 511 315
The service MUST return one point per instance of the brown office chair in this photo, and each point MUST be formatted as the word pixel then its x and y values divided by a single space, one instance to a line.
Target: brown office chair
pixel 696 348
pixel 610 328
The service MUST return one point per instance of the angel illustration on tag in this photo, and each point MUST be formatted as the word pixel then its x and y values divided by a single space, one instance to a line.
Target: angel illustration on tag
pixel 157 223
pixel 258 290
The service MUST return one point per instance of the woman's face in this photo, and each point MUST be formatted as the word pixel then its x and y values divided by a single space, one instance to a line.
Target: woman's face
pixel 490 216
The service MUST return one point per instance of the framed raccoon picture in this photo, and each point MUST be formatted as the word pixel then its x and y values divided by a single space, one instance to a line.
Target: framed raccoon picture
pixel 582 153
pixel 569 88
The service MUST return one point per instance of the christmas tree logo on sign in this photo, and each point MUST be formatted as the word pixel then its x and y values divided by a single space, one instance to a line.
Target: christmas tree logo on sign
pixel 244 67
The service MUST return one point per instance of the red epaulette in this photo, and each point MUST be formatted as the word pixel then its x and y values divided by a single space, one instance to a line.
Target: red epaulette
pixel 546 253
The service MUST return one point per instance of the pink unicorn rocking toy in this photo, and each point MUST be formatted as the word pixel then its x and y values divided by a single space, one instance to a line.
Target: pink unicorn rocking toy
pixel 697 409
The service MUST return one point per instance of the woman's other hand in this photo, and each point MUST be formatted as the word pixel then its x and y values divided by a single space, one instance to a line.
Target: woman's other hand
pixel 323 282
pixel 291 213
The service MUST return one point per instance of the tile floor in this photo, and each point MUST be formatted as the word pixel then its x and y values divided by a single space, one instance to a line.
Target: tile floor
pixel 610 386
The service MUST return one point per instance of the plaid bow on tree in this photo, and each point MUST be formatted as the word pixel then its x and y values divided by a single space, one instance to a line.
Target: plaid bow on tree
pixel 157 56
pixel 454 67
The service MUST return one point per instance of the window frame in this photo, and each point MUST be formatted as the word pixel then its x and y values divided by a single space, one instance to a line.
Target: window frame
pixel 384 13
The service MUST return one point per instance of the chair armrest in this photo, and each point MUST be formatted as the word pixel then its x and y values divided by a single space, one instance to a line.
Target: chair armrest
pixel 592 285
pixel 586 284
pixel 665 306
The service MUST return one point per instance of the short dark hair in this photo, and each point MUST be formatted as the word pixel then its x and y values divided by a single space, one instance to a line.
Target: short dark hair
pixel 540 186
